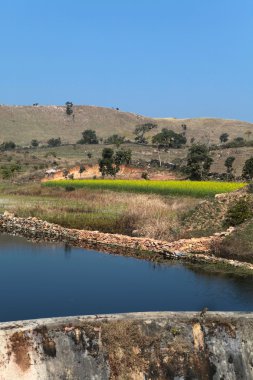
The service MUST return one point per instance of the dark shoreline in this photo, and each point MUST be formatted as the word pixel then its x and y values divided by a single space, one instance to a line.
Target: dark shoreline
pixel 196 251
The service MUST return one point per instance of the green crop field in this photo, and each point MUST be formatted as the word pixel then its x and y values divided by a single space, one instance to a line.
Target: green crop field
pixel 191 188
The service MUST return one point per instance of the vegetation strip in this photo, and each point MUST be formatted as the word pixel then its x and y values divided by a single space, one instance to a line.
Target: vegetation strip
pixel 191 250
pixel 192 188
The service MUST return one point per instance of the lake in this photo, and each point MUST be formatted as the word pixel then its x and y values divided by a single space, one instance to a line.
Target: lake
pixel 39 281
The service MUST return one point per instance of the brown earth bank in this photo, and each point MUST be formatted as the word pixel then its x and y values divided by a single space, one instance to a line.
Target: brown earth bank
pixel 189 250
pixel 125 172
pixel 135 346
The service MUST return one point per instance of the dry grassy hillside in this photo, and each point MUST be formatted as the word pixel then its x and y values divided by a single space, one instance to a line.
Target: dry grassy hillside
pixel 24 123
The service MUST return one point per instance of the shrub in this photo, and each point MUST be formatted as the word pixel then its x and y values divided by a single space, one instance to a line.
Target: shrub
pixel 34 143
pixel 224 137
pixel 238 213
pixel 69 188
pixel 54 142
pixel 7 171
pixel 250 188
pixel 144 175
pixel 8 145
pixel 237 246
pixel 115 139
pixel 247 171
pixel 89 137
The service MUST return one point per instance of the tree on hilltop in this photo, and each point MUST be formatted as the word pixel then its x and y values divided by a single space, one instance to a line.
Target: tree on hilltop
pixel 224 137
pixel 69 108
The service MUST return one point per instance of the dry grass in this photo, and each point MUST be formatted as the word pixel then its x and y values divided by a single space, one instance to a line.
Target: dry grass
pixel 133 214
pixel 22 124
pixel 157 217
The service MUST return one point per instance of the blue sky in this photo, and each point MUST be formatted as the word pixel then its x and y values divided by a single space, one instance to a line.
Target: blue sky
pixel 175 58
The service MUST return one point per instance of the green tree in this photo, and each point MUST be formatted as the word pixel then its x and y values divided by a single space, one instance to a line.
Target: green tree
pixel 8 145
pixel 141 130
pixel 168 139
pixel 248 134
pixel 184 128
pixel 229 165
pixel 123 156
pixel 34 143
pixel 8 171
pixel 107 165
pixel 198 162
pixel 69 108
pixel 89 137
pixel 238 213
pixel 247 170
pixel 81 169
pixel 115 139
pixel 224 137
pixel 54 142
pixel 65 173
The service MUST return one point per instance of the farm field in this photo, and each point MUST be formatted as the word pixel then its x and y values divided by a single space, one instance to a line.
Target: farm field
pixel 184 188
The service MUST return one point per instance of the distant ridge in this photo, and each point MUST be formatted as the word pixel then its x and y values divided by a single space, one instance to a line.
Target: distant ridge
pixel 21 124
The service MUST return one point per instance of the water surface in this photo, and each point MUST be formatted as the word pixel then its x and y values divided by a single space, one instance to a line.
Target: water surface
pixel 46 281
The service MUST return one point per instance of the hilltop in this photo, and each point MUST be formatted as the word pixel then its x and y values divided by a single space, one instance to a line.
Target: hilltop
pixel 21 124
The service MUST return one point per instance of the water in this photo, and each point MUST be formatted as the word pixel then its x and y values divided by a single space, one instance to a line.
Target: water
pixel 47 281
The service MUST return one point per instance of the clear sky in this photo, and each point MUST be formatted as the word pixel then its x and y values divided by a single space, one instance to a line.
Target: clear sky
pixel 175 58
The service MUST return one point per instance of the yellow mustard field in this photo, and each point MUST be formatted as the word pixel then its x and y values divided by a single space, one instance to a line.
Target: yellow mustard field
pixel 191 188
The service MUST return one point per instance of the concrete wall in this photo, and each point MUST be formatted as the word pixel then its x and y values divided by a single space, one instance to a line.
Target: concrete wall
pixel 129 346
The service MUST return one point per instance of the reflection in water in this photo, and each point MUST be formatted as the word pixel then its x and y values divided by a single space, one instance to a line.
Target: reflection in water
pixel 52 280
pixel 67 251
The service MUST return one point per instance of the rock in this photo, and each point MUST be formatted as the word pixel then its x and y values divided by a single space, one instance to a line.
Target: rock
pixel 8 214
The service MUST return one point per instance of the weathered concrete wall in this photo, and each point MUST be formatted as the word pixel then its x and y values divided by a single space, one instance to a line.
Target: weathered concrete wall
pixel 129 346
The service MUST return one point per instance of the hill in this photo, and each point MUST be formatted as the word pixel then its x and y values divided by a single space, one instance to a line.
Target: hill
pixel 21 124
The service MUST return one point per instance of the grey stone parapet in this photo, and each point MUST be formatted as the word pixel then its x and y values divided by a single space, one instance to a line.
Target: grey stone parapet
pixel 155 345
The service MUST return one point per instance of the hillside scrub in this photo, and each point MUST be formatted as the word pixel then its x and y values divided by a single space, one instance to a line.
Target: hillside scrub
pixel 238 213
pixel 239 245
pixel 178 188
pixel 22 124
pixel 217 214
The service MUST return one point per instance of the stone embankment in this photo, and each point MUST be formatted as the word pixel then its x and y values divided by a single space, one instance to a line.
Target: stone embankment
pixel 195 249
pixel 178 346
